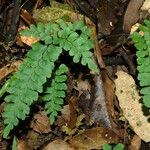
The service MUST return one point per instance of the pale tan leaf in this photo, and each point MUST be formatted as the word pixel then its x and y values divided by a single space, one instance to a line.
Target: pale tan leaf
pixel 129 98
pixel 146 6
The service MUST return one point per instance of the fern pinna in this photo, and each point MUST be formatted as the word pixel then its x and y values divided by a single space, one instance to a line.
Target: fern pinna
pixel 55 94
pixel 27 82
pixel 142 44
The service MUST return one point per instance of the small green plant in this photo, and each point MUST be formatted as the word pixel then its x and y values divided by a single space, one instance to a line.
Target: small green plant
pixel 116 147
pixel 24 86
pixel 14 144
pixel 142 44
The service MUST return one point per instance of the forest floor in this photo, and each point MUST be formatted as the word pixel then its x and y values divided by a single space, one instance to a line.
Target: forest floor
pixel 100 111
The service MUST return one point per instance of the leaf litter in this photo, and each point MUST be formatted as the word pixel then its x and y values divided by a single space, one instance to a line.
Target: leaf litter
pixel 75 128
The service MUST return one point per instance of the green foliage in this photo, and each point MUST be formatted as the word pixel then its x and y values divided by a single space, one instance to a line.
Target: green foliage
pixel 14 145
pixel 56 93
pixel 142 44
pixel 26 83
pixel 72 37
pixel 116 147
pixel 107 147
pixel 24 86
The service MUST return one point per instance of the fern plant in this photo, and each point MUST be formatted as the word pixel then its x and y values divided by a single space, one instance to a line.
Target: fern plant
pixel 142 44
pixel 26 84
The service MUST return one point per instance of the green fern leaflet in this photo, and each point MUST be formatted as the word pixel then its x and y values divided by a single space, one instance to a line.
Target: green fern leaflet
pixel 142 43
pixel 56 93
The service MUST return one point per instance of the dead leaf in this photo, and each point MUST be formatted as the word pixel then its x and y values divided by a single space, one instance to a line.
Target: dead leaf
pixel 9 68
pixel 22 145
pixel 82 85
pixel 109 88
pixel 134 28
pixel 25 39
pixel 132 14
pixel 84 104
pixel 93 138
pixel 58 145
pixel 99 108
pixel 129 98
pixel 135 143
pixel 69 114
pixel 41 123
pixel 146 6
pixel 66 113
pixel 73 111
pixel 71 131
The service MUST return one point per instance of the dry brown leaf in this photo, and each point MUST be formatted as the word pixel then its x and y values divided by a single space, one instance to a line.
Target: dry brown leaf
pixel 109 88
pixel 135 143
pixel 41 123
pixel 132 14
pixel 58 145
pixel 129 98
pixel 69 113
pixel 21 145
pixel 9 68
pixel 73 111
pixel 66 113
pixel 93 139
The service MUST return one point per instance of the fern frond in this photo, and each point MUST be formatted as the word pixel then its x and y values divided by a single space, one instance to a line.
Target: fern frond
pixel 27 82
pixel 56 93
pixel 76 40
pixel 143 59
pixel 72 37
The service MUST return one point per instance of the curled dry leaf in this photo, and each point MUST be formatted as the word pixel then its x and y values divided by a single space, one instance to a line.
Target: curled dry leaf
pixel 129 98
pixel 93 138
pixel 58 145
pixel 99 108
pixel 109 88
